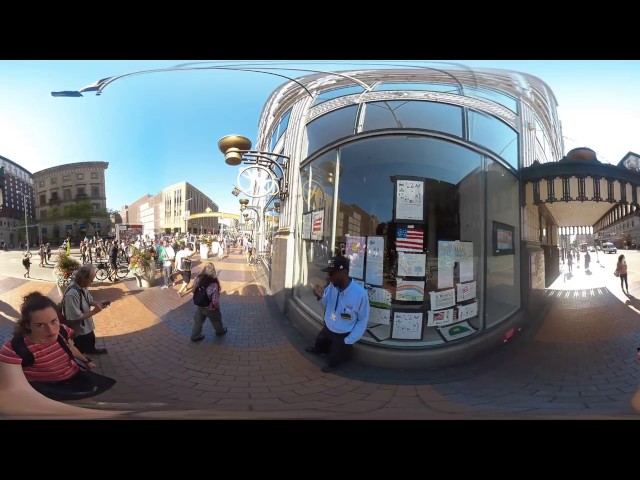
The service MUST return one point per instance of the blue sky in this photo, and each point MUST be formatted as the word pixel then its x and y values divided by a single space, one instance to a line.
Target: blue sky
pixel 162 128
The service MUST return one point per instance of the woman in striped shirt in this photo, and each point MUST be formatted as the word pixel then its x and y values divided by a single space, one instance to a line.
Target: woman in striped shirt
pixel 53 372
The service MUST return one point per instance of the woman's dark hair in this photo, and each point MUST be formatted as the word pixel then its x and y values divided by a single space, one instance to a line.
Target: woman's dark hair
pixel 32 302
pixel 620 258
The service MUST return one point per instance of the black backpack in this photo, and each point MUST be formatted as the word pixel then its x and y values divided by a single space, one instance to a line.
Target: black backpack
pixel 200 296
pixel 25 262
pixel 21 349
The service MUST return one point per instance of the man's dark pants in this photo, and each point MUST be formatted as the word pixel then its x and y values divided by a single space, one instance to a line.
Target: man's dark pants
pixel 333 344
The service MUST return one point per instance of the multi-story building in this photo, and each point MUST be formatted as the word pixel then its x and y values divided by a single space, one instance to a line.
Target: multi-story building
pixel 165 212
pixel 131 213
pixel 18 196
pixel 64 185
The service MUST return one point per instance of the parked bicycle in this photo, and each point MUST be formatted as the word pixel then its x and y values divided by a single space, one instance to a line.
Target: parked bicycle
pixel 103 271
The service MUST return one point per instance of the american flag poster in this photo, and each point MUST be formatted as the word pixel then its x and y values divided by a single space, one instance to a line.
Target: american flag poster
pixel 410 239
pixel 317 225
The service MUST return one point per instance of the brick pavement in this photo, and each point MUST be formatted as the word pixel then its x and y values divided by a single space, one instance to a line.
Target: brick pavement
pixel 579 362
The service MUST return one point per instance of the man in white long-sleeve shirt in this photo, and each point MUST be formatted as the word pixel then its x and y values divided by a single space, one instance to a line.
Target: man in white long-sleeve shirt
pixel 346 313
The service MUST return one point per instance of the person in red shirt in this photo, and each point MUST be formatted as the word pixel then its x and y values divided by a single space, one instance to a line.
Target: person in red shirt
pixel 53 373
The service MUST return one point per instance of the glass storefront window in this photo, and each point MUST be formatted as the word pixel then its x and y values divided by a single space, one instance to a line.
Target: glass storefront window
pixel 330 127
pixel 317 182
pixel 405 247
pixel 495 135
pixel 414 114
pixel 503 272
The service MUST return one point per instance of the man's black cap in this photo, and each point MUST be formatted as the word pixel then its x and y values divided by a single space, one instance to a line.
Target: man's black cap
pixel 336 264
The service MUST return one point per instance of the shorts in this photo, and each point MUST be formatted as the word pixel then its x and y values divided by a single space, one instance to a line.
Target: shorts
pixel 186 275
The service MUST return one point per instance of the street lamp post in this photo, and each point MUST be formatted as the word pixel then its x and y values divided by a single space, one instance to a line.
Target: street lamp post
pixel 26 223
pixel 186 214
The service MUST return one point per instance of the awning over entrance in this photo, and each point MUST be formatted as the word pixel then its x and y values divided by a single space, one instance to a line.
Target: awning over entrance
pixel 579 189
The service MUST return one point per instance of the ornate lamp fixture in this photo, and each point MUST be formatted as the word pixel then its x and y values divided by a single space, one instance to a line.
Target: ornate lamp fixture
pixel 265 173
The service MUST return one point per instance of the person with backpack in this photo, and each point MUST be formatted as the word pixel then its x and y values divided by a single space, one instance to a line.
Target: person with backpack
pixel 48 358
pixel 26 263
pixel 206 298
pixel 77 303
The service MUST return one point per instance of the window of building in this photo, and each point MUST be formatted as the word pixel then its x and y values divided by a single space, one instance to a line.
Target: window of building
pixel 43 213
pixel 53 181
pixel 41 183
pixel 80 192
pixel 94 175
pixel 43 199
pixel 54 196
pixel 337 92
pixel 495 135
pixel 414 114
pixel 66 194
pixel 331 127
pixel 280 129
pixel 95 191
pixel 80 176
pixel 444 224
pixel 66 178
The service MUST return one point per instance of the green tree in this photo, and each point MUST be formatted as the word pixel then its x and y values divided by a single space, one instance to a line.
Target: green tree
pixel 83 212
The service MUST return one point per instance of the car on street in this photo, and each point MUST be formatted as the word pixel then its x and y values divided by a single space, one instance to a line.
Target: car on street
pixel 608 247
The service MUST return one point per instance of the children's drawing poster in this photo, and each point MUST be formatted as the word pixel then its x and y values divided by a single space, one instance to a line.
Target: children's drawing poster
pixel 379 316
pixel 465 291
pixel 407 325
pixel 409 290
pixel 443 299
pixel 411 264
pixel 375 261
pixel 409 200
pixel 440 318
pixel 355 250
pixel 379 297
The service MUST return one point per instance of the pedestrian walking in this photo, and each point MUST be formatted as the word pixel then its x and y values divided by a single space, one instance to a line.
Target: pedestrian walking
pixel 621 271
pixel 26 262
pixel 209 282
pixel 570 262
pixel 587 260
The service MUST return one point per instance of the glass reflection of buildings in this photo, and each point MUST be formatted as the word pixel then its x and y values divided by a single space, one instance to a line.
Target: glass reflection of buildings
pixel 465 134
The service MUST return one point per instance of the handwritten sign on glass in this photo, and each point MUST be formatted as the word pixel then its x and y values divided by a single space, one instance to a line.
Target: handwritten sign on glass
pixel 410 200
pixel 407 326
pixel 411 264
pixel 355 248
pixel 375 261
pixel 465 291
pixel 443 299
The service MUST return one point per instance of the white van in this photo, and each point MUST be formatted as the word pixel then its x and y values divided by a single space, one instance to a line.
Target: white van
pixel 608 247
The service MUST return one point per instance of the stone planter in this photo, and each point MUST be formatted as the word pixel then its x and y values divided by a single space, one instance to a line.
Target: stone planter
pixel 61 283
pixel 205 251
pixel 145 279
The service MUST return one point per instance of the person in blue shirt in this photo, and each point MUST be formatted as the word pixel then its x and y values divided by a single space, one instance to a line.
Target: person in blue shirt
pixel 346 313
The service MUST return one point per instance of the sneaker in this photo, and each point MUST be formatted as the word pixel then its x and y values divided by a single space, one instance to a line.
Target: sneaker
pixel 224 330
pixel 164 286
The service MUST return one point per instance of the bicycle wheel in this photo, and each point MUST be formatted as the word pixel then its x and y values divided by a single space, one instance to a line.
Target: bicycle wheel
pixel 122 271
pixel 101 274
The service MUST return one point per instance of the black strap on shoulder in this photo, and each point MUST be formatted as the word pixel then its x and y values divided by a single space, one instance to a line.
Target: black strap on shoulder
pixel 20 347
